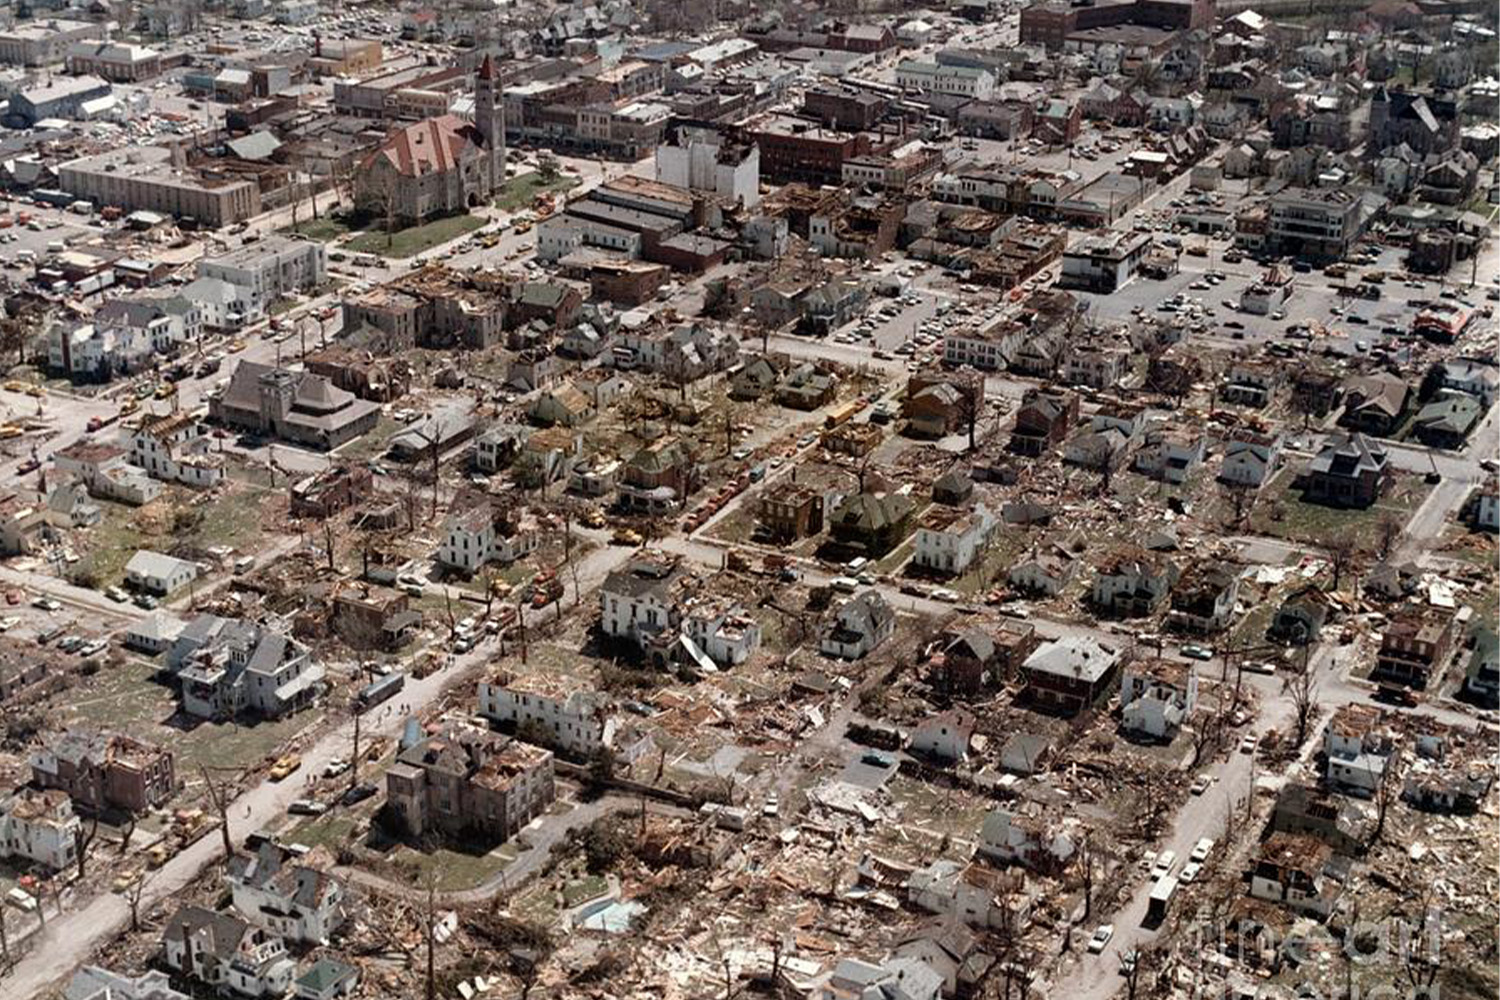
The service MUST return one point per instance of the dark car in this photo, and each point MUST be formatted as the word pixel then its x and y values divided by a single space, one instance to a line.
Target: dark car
pixel 357 794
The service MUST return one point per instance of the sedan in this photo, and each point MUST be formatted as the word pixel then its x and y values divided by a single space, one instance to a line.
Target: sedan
pixel 1197 652
pixel 1101 938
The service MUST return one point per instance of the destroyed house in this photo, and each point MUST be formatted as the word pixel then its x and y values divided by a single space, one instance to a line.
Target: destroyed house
pixel 325 493
pixel 1414 647
pixel 273 888
pixel 104 771
pixel 464 783
pixel 1069 675
pixel 1298 871
pixel 1446 774
pixel 1042 840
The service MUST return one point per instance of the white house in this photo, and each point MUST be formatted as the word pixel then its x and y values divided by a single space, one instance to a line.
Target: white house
pixel 949 541
pixel 944 736
pixel 1250 459
pixel 154 573
pixel 862 624
pixel 40 826
pixel 1157 695
pixel 95 983
pixel 295 901
pixel 1169 455
pixel 1044 841
pixel 473 538
pixel 107 472
pixel 174 448
pixel 1044 573
pixel 220 949
pixel 640 600
pixel 893 979
pixel 1358 749
pixel 575 720
pixel 979 896
pixel 1293 870
pixel 227 667
pixel 725 632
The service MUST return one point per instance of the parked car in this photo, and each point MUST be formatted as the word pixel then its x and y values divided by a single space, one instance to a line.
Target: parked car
pixel 1101 938
pixel 1165 862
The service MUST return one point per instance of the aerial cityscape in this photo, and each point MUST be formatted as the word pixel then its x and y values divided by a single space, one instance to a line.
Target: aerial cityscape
pixel 822 500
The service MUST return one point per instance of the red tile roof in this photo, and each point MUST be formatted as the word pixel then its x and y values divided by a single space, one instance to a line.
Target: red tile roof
pixel 435 145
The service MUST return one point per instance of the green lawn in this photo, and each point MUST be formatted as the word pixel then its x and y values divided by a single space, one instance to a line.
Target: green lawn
pixel 413 240
pixel 1314 523
pixel 452 870
pixel 521 191
pixel 323 229
pixel 126 699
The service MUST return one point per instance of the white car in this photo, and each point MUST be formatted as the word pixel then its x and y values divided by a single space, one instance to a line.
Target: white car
pixel 1202 784
pixel 1201 850
pixel 944 594
pixel 1101 938
pixel 1189 872
pixel 1247 743
pixel 1165 862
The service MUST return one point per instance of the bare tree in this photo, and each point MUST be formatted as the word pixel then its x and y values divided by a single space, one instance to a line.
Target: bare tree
pixel 127 835
pixel 133 897
pixel 1241 497
pixel 216 796
pixel 82 841
pixel 1304 693
pixel 1390 530
pixel 1342 552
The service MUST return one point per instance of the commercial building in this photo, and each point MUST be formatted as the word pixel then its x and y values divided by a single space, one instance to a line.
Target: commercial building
pixel 113 61
pixel 158 179
pixel 1314 222
pixel 1103 263
pixel 270 268
pixel 44 43
pixel 1052 22
pixel 951 81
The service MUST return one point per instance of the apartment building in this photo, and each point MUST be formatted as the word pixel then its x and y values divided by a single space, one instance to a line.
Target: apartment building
pixel 270 268
pixel 45 43
pixel 1314 222
pixel 565 716
pixel 103 770
pixel 463 782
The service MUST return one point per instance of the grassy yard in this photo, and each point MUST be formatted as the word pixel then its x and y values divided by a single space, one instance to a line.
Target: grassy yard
pixel 128 700
pixel 413 240
pixel 521 191
pixel 323 229
pixel 453 870
pixel 1282 513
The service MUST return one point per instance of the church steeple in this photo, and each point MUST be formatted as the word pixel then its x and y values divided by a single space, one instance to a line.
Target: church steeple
pixel 489 118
